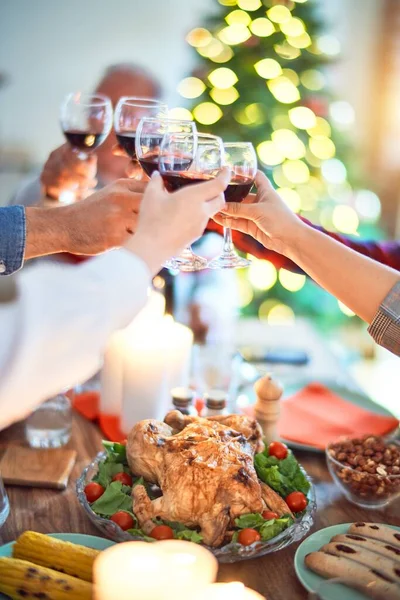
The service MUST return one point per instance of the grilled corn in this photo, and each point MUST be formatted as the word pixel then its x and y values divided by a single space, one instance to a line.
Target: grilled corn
pixel 55 554
pixel 22 579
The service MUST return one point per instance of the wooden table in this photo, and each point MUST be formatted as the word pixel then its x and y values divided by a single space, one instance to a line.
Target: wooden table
pixel 273 575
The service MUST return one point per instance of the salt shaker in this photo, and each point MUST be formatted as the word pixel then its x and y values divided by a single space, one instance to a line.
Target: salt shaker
pixel 215 403
pixel 182 400
pixel 267 406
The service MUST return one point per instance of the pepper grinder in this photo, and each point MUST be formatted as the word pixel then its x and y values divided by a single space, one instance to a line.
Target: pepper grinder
pixel 267 408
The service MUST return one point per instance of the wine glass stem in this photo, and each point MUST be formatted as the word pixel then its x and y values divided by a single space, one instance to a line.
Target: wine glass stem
pixel 228 249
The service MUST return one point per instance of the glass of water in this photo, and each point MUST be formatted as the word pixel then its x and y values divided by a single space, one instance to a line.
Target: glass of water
pixel 4 504
pixel 49 426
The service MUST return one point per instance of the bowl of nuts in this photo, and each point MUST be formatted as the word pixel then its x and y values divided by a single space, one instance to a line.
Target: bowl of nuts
pixel 367 469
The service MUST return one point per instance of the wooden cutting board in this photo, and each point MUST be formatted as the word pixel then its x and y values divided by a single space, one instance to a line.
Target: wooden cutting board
pixel 37 468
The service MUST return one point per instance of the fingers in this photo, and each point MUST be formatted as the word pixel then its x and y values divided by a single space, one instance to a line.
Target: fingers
pixel 118 150
pixel 133 185
pixel 215 205
pixel 203 192
pixel 239 210
pixel 242 225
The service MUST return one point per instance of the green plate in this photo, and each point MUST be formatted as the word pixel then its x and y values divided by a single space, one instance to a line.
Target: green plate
pixel 311 581
pixel 90 541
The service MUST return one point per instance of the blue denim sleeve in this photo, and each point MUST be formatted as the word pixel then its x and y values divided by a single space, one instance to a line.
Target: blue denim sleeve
pixel 12 239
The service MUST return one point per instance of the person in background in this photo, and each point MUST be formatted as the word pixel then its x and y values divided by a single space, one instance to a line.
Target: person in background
pixel 55 319
pixel 88 228
pixel 370 289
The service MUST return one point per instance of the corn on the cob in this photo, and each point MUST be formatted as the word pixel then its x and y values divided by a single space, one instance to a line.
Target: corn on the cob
pixel 21 579
pixel 55 554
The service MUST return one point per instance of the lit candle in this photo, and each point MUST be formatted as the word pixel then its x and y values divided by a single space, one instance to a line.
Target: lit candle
pixel 171 570
pixel 227 591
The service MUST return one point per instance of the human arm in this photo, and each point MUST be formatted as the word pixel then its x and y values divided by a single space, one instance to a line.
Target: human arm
pixel 359 282
pixel 57 325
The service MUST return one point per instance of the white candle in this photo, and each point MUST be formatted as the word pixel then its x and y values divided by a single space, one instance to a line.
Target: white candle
pixel 179 349
pixel 112 372
pixel 171 570
pixel 227 591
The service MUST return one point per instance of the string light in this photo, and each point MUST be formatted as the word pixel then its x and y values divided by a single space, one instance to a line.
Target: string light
pixel 198 37
pixel 268 68
pixel 302 117
pixel 292 76
pixel 300 41
pixel 283 90
pixel 328 44
pixel 293 282
pixel 286 51
pixel 262 27
pixel 269 153
pixel 281 315
pixel 207 113
pixel 262 274
pixel 291 198
pixel 312 79
pixel 249 4
pixel 180 113
pixel 238 16
pixel 224 97
pixel 293 27
pixel 212 49
pixel 320 129
pixel 223 78
pixel 346 310
pixel 296 171
pixel 345 219
pixel 279 14
pixel 288 143
pixel 224 56
pixel 191 87
pixel 333 170
pixel 234 34
pixel 322 148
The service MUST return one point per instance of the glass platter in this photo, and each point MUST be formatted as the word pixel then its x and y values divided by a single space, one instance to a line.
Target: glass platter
pixel 232 552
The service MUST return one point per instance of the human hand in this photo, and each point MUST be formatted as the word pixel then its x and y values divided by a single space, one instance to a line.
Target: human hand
pixel 169 222
pixel 133 169
pixel 264 216
pixel 65 171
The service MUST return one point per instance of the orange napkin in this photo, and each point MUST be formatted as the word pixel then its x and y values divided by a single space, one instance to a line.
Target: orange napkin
pixel 316 416
pixel 87 404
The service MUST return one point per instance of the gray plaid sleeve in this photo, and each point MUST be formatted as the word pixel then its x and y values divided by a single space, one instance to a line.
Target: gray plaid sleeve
pixel 385 327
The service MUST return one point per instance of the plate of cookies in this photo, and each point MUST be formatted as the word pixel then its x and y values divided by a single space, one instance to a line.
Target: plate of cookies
pixel 363 557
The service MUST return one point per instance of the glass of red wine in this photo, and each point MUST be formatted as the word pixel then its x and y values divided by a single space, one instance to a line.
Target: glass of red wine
pixel 86 120
pixel 149 136
pixel 185 159
pixel 128 113
pixel 242 159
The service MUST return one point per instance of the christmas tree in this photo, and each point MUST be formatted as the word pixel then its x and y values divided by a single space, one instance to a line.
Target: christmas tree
pixel 261 77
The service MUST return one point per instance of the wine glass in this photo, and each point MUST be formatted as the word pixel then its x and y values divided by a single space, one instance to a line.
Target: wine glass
pixel 128 113
pixel 86 120
pixel 242 159
pixel 149 135
pixel 185 159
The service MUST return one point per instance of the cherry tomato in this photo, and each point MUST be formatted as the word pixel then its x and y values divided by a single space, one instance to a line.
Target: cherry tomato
pixel 93 491
pixel 296 501
pixel 123 519
pixel 124 442
pixel 278 450
pixel 124 478
pixel 248 536
pixel 162 532
pixel 268 514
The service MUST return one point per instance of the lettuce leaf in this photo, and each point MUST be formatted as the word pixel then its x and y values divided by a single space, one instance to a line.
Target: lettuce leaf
pixel 106 472
pixel 272 528
pixel 113 500
pixel 283 476
pixel 139 533
pixel 189 535
pixel 252 520
pixel 115 452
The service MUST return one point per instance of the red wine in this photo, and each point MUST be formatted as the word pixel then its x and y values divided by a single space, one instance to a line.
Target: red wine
pixel 127 141
pixel 85 140
pixel 175 181
pixel 150 164
pixel 238 189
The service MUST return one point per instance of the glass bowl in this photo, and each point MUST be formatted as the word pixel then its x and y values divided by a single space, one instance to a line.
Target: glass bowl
pixel 368 490
pixel 232 552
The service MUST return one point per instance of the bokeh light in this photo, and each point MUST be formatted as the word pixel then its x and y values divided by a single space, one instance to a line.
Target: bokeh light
pixel 281 121
pixel 234 34
pixel 312 160
pixel 283 90
pixel 309 196
pixel 334 171
pixel 269 153
pixel 212 49
pixel 328 44
pixel 368 205
pixel 288 143
pixel 224 56
pixel 249 4
pixel 262 27
pixel 268 68
pixel 279 14
pixel 342 113
pixel 223 78
pixel 198 37
pixel 262 274
pixel 286 51
pixel 207 113
pixel 292 76
pixel 256 113
pixel 227 2
pixel 191 87
pixel 345 309
pixel 296 171
pixel 312 79
pixel 224 97
pixel 345 218
pixel 238 16
pixel 322 148
pixel 293 27
pixel 280 314
pixel 180 113
pixel 300 41
pixel 291 198
pixel 320 129
pixel 293 282
pixel 302 117
pixel 280 179
pixel 246 293
pixel 265 307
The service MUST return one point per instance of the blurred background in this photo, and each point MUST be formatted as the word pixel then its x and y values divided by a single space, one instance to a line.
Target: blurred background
pixel 314 84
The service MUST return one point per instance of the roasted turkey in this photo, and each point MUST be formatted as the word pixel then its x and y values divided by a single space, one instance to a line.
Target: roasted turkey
pixel 205 470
